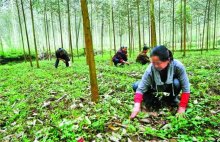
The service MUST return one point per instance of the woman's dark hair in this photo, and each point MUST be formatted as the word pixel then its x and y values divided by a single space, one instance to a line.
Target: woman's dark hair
pixel 122 47
pixel 162 52
pixel 145 47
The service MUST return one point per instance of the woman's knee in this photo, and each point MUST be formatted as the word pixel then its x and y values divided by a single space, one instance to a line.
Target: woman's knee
pixel 135 86
pixel 176 83
pixel 177 87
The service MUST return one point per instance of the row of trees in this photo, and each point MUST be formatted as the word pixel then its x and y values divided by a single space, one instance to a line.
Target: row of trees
pixel 48 25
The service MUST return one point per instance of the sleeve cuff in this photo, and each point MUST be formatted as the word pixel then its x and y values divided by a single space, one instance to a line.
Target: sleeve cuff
pixel 184 100
pixel 138 97
pixel 121 61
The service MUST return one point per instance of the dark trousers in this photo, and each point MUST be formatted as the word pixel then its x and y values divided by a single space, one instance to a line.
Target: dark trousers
pixel 57 63
pixel 151 100
pixel 115 61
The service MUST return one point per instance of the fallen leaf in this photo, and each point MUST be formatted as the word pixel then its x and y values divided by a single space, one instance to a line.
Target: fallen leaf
pixel 154 114
pixel 145 120
pixel 46 104
pixel 113 128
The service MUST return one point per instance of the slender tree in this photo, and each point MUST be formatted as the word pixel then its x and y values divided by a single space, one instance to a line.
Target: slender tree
pixel 159 24
pixel 139 24
pixel 53 31
pixel 69 29
pixel 181 25
pixel 207 33
pixel 153 27
pixel 102 34
pixel 113 26
pixel 90 54
pixel 129 28
pixel 61 31
pixel 173 31
pixel 26 32
pixel 21 30
pixel 184 30
pixel 214 37
pixel 33 30
pixel 1 45
pixel 203 33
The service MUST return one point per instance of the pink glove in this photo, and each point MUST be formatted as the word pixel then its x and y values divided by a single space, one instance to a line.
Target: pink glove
pixel 183 102
pixel 138 98
pixel 136 109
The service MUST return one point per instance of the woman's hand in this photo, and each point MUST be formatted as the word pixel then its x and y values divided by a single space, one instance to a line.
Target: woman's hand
pixel 181 112
pixel 136 110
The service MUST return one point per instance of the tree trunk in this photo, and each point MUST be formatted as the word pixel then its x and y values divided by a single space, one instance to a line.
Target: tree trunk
pixel 184 32
pixel 181 25
pixel 120 32
pixel 26 32
pixel 21 31
pixel 113 26
pixel 52 24
pixel 191 40
pixel 89 48
pixel 139 23
pixel 143 31
pixel 48 37
pixel 61 32
pixel 153 27
pixel 149 32
pixel 110 36
pixel 69 29
pixel 132 35
pixel 76 33
pixel 203 33
pixel 197 31
pixel 47 31
pixel 207 36
pixel 159 25
pixel 214 37
pixel 1 45
pixel 129 32
pixel 33 30
pixel 173 36
pixel 102 35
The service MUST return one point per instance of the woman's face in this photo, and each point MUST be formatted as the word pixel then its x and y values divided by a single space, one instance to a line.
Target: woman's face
pixel 124 49
pixel 158 64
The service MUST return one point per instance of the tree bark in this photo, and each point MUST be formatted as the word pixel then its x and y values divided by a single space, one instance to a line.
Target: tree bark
pixel 21 30
pixel 90 53
pixel 69 29
pixel 173 36
pixel 159 25
pixel 207 36
pixel 61 32
pixel 203 33
pixel 102 34
pixel 26 32
pixel 33 30
pixel 181 25
pixel 184 32
pixel 139 24
pixel 52 24
pixel 129 27
pixel 113 26
pixel 215 21
pixel 153 27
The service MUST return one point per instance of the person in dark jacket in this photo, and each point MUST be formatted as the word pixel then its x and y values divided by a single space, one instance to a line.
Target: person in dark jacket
pixel 61 54
pixel 121 57
pixel 142 58
pixel 163 80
